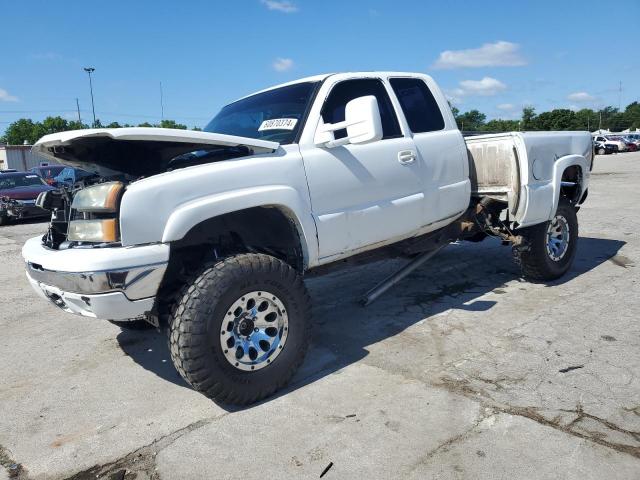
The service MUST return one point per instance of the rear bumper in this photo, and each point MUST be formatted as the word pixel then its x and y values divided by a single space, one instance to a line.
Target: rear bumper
pixel 117 283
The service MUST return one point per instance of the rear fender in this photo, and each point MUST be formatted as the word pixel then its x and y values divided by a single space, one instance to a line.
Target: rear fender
pixel 559 168
pixel 542 198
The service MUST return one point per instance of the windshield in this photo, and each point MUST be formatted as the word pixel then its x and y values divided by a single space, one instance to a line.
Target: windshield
pixel 15 181
pixel 66 174
pixel 48 172
pixel 275 115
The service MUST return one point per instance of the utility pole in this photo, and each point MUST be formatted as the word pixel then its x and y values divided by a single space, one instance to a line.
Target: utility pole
pixel 600 122
pixel 620 98
pixel 161 104
pixel 78 107
pixel 89 70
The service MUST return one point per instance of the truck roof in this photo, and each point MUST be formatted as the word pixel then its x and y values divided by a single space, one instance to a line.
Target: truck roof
pixel 324 76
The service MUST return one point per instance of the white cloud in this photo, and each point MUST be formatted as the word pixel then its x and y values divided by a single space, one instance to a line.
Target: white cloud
pixel 280 5
pixel 5 97
pixel 499 54
pixel 582 97
pixel 505 106
pixel 282 64
pixel 485 87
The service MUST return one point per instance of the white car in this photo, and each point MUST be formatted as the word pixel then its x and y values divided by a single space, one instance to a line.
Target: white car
pixel 210 234
pixel 612 140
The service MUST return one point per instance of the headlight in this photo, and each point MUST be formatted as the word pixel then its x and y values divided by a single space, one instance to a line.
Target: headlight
pixel 102 198
pixel 93 230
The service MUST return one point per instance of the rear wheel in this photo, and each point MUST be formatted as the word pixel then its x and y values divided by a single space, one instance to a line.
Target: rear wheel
pixel 549 248
pixel 241 328
pixel 4 220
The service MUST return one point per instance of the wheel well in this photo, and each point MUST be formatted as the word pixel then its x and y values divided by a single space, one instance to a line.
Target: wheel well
pixel 268 230
pixel 572 174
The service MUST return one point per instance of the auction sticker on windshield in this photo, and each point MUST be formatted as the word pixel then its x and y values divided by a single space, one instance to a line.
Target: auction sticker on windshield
pixel 278 124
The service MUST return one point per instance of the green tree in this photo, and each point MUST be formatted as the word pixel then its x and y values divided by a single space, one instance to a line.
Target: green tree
pixel 471 121
pixel 20 131
pixel 632 115
pixel 172 124
pixel 499 125
pixel 528 118
pixel 556 119
pixel 585 119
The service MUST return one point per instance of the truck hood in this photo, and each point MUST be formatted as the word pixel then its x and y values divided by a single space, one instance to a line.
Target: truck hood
pixel 140 151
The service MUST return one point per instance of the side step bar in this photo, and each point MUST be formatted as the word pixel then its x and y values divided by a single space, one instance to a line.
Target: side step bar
pixel 394 278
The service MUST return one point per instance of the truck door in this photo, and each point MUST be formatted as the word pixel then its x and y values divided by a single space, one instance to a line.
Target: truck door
pixel 440 147
pixel 365 194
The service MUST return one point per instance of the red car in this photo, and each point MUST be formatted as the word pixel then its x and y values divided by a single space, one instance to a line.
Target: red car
pixel 18 193
pixel 631 147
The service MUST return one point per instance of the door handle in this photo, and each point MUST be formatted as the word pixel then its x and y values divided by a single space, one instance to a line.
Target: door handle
pixel 406 157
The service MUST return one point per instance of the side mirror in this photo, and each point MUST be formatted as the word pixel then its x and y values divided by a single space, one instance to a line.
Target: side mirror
pixel 362 121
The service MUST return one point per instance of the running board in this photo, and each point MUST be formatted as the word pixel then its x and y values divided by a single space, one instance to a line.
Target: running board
pixel 394 278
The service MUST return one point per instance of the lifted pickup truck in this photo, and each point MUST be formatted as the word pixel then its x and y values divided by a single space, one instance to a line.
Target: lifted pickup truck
pixel 209 234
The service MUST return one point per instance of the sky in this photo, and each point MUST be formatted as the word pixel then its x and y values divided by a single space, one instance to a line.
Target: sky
pixel 491 56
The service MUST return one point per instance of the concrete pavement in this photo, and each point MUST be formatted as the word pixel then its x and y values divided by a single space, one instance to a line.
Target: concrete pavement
pixel 463 370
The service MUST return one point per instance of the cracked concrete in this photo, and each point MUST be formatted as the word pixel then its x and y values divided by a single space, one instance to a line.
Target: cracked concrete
pixel 461 371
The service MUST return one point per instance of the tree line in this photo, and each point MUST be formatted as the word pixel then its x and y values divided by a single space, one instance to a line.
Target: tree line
pixel 608 118
pixel 27 130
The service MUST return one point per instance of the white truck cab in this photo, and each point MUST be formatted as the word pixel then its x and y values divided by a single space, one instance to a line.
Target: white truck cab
pixel 209 234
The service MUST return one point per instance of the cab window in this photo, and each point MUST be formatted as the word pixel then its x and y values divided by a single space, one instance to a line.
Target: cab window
pixel 333 110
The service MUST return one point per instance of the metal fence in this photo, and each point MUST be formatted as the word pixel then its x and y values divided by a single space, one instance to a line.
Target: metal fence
pixel 20 157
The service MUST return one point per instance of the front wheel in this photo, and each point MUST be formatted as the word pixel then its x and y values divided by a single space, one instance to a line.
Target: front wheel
pixel 549 248
pixel 601 151
pixel 241 328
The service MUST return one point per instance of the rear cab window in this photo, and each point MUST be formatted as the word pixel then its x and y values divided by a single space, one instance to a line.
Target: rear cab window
pixel 418 104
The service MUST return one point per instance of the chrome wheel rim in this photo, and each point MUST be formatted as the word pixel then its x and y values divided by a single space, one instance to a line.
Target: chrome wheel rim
pixel 557 238
pixel 254 331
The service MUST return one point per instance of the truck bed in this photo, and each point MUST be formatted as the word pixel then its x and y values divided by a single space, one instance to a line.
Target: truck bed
pixel 510 166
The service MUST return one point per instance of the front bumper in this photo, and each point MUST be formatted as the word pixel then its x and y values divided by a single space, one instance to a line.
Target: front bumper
pixel 118 283
pixel 21 209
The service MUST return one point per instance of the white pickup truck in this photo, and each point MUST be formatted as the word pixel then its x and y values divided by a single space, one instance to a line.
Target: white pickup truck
pixel 209 234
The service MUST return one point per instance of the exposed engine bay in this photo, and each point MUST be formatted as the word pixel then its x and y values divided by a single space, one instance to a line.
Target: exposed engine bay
pixel 115 165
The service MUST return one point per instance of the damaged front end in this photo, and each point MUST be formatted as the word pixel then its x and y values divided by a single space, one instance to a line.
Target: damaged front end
pixel 11 208
pixel 58 202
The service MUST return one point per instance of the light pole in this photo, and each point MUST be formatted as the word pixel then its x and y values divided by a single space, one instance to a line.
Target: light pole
pixel 89 70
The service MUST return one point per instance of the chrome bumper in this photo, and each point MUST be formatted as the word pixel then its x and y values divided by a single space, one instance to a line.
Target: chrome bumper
pixel 80 281
pixel 135 282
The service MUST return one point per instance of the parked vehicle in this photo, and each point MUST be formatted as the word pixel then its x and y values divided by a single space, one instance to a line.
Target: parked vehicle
pixel 18 193
pixel 622 145
pixel 633 138
pixel 602 148
pixel 619 144
pixel 631 146
pixel 69 176
pixel 48 172
pixel 209 234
